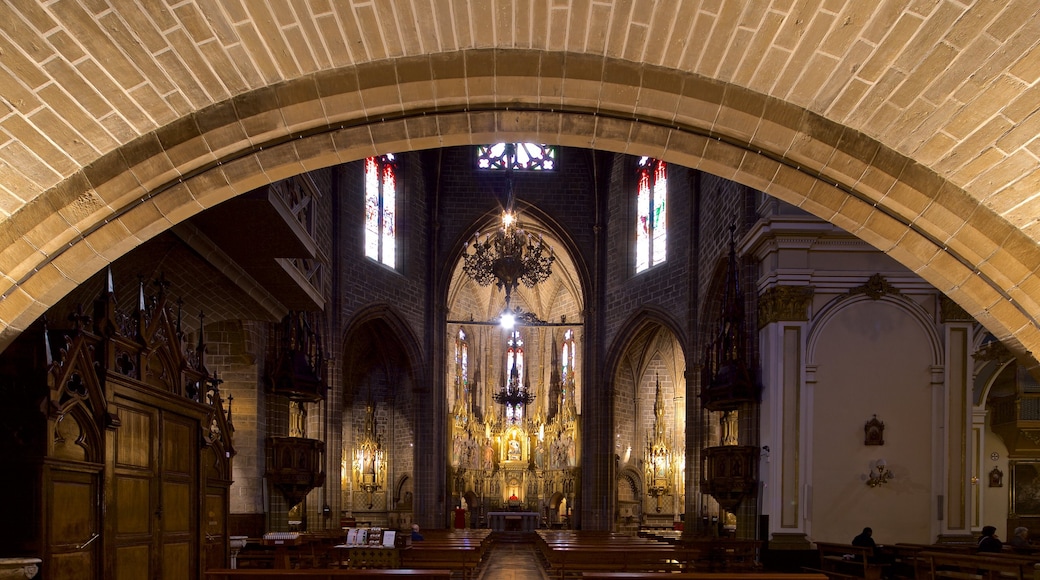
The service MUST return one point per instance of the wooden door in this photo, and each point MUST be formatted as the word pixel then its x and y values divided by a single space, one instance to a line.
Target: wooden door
pixel 153 503
pixel 216 546
pixel 73 531
pixel 178 497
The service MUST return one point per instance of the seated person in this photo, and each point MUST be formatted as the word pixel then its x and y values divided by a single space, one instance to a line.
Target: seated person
pixel 1020 540
pixel 416 536
pixel 865 539
pixel 988 542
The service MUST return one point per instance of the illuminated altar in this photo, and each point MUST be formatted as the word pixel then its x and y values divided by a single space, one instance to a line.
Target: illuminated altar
pixel 514 448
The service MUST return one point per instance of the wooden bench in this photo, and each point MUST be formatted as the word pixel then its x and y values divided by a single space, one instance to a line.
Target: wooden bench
pixel 702 576
pixel 459 557
pixel 574 561
pixel 844 561
pixel 960 566
pixel 313 574
pixel 570 553
pixel 721 555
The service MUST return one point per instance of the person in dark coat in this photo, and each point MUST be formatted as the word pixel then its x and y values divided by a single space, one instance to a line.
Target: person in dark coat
pixel 989 542
pixel 865 539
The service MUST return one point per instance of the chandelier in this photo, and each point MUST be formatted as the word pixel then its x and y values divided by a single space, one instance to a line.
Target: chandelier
pixel 514 396
pixel 508 256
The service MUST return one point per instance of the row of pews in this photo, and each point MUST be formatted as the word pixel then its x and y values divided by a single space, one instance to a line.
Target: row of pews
pixel 458 550
pixel 573 553
pixel 442 554
pixel 922 562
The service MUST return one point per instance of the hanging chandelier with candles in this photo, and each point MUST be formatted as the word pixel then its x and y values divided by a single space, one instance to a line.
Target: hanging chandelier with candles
pixel 508 256
pixel 515 396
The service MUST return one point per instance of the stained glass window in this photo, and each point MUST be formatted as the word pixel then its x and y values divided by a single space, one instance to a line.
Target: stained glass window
pixel 462 362
pixel 518 156
pixel 651 225
pixel 567 356
pixel 381 209
pixel 515 356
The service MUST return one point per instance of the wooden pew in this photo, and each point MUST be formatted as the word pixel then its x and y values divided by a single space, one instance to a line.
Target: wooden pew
pixel 988 566
pixel 721 555
pixel 702 576
pixel 845 561
pixel 314 574
pixel 462 551
pixel 573 561
pixel 465 559
pixel 567 553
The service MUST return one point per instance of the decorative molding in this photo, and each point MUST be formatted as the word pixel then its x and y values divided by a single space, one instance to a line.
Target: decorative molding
pixel 784 303
pixel 950 311
pixel 992 351
pixel 875 288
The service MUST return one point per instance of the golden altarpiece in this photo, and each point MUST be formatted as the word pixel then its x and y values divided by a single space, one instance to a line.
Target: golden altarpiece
pixel 514 447
pixel 117 443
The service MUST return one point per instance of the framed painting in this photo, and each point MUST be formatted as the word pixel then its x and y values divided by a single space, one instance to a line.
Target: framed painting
pixel 1025 487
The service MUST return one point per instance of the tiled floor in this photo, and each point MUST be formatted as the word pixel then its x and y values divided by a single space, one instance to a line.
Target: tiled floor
pixel 512 561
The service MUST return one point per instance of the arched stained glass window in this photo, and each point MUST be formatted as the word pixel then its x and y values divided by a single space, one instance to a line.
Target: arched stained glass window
pixel 567 357
pixel 518 156
pixel 651 224
pixel 462 363
pixel 515 356
pixel 381 209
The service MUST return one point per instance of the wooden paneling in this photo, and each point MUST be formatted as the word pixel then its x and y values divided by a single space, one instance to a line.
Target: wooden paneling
pixel 133 505
pixel 179 447
pixel 156 492
pixel 215 524
pixel 134 500
pixel 177 561
pixel 73 520
pixel 79 565
pixel 133 562
pixel 134 438
pixel 177 507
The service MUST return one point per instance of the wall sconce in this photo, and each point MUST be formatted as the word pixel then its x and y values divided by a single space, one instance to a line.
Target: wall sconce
pixel 879 475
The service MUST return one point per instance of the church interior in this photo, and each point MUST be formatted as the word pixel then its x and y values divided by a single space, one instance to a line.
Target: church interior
pixel 508 288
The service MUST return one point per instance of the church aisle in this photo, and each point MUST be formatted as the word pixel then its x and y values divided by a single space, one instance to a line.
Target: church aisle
pixel 512 561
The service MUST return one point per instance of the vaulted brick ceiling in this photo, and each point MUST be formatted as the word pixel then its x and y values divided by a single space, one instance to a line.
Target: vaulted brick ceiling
pixel 911 124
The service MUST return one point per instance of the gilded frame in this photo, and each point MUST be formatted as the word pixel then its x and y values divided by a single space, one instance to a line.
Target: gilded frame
pixel 1025 488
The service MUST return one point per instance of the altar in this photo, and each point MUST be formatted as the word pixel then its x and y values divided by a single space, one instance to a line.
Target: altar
pixel 513 521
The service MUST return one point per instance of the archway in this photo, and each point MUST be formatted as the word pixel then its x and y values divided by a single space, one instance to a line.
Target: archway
pixel 142 188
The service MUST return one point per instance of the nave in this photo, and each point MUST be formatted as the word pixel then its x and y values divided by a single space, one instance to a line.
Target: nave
pixel 512 561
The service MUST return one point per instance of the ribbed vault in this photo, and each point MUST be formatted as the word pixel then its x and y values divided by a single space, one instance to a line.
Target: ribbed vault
pixel 912 125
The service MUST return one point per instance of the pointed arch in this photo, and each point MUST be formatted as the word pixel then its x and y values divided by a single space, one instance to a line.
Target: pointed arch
pixel 378 334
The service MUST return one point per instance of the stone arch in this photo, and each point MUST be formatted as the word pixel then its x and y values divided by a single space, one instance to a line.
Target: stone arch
pixel 381 365
pixel 385 327
pixel 144 186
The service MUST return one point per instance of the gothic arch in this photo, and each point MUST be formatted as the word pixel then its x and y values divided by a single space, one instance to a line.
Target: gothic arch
pixel 646 319
pixel 383 330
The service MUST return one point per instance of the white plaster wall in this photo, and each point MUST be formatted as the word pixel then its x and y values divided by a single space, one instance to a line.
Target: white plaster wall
pixel 873 357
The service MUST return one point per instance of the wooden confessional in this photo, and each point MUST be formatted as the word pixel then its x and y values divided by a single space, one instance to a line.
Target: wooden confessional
pixel 116 447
